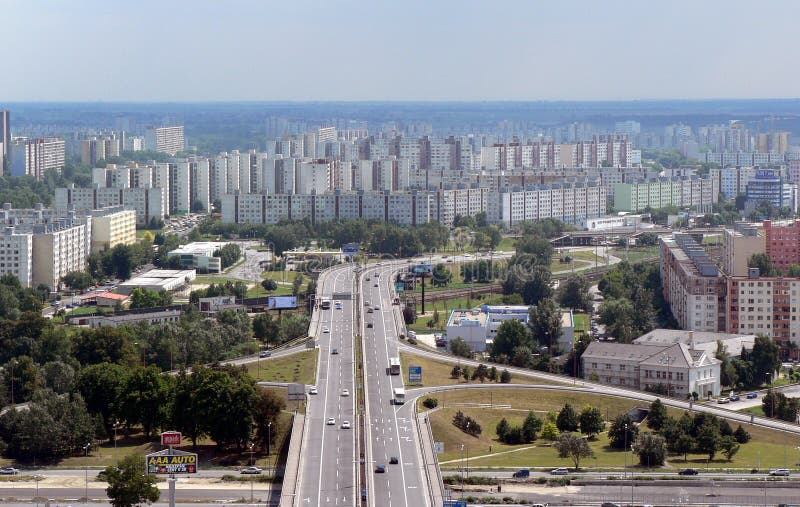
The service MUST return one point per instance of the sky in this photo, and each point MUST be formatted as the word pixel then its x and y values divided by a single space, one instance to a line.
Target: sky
pixel 436 50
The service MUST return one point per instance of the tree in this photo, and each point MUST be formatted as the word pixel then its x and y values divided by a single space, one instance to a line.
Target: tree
pixel 460 348
pixel 591 421
pixel 622 431
pixel 58 376
pixel 99 385
pixel 741 435
pixel 651 449
pixel 144 398
pixel 729 447
pixel 505 377
pixel 657 415
pixel 550 431
pixel 265 328
pixel 430 403
pixel 493 375
pixel 708 439
pixel 574 293
pixel 567 420
pixel 148 298
pixel 409 315
pixel 267 410
pixel 510 335
pixel 297 283
pixel 77 280
pixel 129 484
pixel 683 445
pixel 466 373
pixel 455 373
pixel 763 263
pixel 21 379
pixel 228 254
pixel 502 429
pixel 269 285
pixel 617 316
pixel 441 276
pixel 545 324
pixel 575 447
pixel 480 373
pixel 530 427
pixel 765 357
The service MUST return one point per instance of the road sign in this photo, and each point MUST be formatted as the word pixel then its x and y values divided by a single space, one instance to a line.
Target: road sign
pixel 297 392
pixel 455 503
pixel 399 287
pixel 438 447
pixel 415 374
pixel 171 438
pixel 171 461
pixel 351 249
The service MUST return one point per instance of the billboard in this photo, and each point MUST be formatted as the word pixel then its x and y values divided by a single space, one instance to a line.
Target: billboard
pixel 415 374
pixel 282 302
pixel 422 269
pixel 296 392
pixel 438 447
pixel 351 249
pixel 174 462
pixel 171 438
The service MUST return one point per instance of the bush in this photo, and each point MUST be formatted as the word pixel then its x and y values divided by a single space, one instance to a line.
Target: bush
pixel 505 377
pixel 466 424
pixel 430 403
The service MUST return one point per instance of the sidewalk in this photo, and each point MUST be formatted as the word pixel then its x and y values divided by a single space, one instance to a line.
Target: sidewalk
pixel 292 470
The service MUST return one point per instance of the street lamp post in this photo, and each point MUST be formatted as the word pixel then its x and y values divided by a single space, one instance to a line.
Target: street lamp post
pixel 251 478
pixel 37 478
pixel 625 473
pixel 269 438
pixel 86 472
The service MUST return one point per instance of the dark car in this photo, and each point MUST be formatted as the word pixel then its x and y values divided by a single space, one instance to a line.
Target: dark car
pixel 522 473
pixel 369 325
pixel 380 469
pixel 688 471
pixel 393 460
pixel 751 396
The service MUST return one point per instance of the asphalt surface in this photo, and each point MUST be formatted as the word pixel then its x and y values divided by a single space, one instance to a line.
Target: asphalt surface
pixel 391 431
pixel 328 463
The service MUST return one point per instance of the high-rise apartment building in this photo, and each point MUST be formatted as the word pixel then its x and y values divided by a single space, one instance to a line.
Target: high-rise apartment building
pixel 101 148
pixel 113 227
pixel 738 245
pixel 5 142
pixel 782 242
pixel 169 140
pixel 34 157
pixel 697 193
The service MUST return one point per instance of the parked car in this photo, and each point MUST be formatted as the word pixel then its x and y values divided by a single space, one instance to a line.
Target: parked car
pixel 369 325
pixel 9 471
pixel 751 396
pixel 313 390
pixel 522 473
pixel 610 504
pixel 265 353
pixel 779 472
pixel 250 471
pixel 559 471
pixel 722 401
pixel 734 397
pixel 688 471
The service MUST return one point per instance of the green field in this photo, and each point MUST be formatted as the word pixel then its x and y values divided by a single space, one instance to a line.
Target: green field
pixel 581 259
pixel 208 280
pixel 300 367
pixel 85 310
pixel 766 449
pixel 582 322
pixel 636 253
pixel 507 245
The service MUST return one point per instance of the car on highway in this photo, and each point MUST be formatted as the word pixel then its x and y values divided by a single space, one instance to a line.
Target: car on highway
pixel 751 396
pixel 368 279
pixel 559 471
pixel 325 329
pixel 369 310
pixel 313 390
pixel 394 460
pixel 346 425
pixel 779 472
pixel 366 303
pixel 345 392
pixel 688 471
pixel 335 352
pixel 375 285
pixel 331 421
pixel 610 504
pixel 377 307
pixel 8 471
pixel 250 471
pixel 369 325
pixel 264 353
pixel 380 469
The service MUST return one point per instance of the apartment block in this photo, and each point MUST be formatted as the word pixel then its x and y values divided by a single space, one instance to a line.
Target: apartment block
pixel 572 203
pixel 149 204
pixel 765 305
pixel 34 157
pixel 692 284
pixel 169 140
pixel 738 245
pixel 696 193
pixel 5 142
pixel 58 248
pixel 782 242
pixel 101 148
pixel 112 227
pixel 16 255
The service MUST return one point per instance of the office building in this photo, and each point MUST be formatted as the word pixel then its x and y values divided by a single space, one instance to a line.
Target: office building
pixel 478 327
pixel 765 305
pixel 34 157
pixel 692 284
pixel 767 186
pixel 169 140
pixel 782 243
pixel 200 256
pixel 676 370
pixel 738 245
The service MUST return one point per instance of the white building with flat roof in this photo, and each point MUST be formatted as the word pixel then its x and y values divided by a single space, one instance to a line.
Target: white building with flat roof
pixel 159 280
pixel 200 256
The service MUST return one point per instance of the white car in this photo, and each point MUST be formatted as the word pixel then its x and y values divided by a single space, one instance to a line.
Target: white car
pixel 313 390
pixel 325 329
pixel 346 425
pixel 345 392
pixel 331 421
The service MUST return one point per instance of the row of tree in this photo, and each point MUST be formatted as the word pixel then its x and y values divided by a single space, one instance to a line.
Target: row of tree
pixel 481 373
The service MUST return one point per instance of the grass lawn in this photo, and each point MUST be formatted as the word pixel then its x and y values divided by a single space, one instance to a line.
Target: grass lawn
pixel 437 373
pixel 208 280
pixel 300 367
pixel 581 322
pixel 281 276
pixel 257 291
pixel 766 449
pixel 636 253
pixel 85 310
pixel 444 307
pixel 757 410
pixel 507 245
pixel 581 259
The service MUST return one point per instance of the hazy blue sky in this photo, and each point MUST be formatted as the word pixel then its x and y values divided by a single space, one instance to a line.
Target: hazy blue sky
pixel 231 50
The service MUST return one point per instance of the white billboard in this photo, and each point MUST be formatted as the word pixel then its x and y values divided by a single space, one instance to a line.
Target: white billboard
pixel 282 302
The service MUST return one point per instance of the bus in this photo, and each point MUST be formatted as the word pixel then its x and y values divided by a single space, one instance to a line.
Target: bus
pixel 394 366
pixel 399 395
pixel 325 304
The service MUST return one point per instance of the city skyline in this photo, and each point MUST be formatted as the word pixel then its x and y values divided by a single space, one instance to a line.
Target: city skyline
pixel 303 51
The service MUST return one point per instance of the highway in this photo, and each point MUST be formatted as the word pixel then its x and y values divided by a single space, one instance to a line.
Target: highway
pixel 391 431
pixel 328 462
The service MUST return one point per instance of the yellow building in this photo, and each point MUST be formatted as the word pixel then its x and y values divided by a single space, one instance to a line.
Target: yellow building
pixel 113 227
